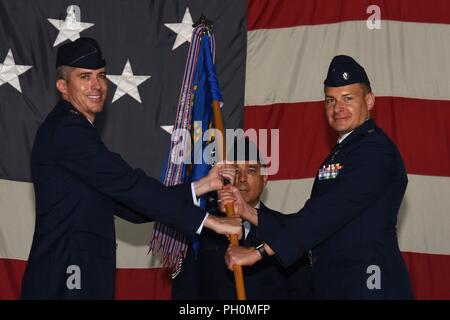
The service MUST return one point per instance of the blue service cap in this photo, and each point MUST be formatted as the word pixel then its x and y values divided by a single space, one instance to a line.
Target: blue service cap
pixel 344 70
pixel 82 53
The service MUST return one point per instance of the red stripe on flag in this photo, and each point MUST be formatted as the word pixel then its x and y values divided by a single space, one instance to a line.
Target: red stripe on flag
pixel 429 274
pixel 305 138
pixel 269 14
pixel 143 284
pixel 137 284
pixel 11 272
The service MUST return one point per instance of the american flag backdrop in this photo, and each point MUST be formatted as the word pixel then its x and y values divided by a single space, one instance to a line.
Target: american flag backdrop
pixel 271 59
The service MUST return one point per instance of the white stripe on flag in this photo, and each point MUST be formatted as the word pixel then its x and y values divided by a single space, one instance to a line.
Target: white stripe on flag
pixel 423 218
pixel 402 59
pixel 17 227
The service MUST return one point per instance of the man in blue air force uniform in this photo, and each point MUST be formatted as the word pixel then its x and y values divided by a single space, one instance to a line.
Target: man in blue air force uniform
pixel 79 185
pixel 348 226
pixel 204 274
pixel 267 280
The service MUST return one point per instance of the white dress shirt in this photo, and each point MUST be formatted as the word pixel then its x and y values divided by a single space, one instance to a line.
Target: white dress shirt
pixel 197 203
pixel 342 138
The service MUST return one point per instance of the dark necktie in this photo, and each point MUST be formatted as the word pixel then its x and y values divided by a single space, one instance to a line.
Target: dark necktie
pixel 333 153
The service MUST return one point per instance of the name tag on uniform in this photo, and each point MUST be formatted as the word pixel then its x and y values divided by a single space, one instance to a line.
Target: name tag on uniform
pixel 330 171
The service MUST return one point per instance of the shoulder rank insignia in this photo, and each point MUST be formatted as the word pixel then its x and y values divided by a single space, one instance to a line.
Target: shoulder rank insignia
pixel 330 171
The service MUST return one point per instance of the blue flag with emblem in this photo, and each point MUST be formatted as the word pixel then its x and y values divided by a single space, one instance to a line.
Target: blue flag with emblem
pixel 205 90
pixel 200 88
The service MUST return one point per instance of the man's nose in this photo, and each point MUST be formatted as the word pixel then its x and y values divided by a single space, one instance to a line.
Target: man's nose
pixel 95 84
pixel 242 177
pixel 339 105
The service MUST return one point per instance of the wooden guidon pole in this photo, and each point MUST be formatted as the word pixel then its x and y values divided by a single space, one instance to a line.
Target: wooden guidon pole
pixel 234 241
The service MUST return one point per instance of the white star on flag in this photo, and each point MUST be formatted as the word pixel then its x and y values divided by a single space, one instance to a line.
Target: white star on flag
pixel 10 71
pixel 70 28
pixel 183 29
pixel 168 129
pixel 127 83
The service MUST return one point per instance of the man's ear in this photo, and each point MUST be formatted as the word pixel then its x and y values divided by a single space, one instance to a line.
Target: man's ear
pixel 265 179
pixel 61 85
pixel 370 101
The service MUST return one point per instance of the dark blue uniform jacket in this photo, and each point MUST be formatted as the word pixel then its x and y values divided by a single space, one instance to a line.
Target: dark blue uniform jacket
pixel 79 186
pixel 349 222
